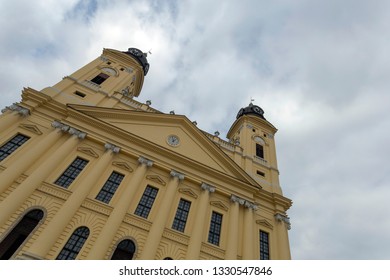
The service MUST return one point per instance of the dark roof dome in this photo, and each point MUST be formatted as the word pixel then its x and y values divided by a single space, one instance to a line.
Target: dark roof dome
pixel 251 110
pixel 140 57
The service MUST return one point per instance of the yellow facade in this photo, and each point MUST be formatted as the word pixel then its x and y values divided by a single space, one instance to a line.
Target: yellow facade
pixel 84 163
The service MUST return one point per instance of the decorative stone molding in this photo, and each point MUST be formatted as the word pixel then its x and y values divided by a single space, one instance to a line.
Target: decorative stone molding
pixel 17 108
pixel 69 129
pixel 264 223
pixel 32 128
pixel 237 199
pixel 129 70
pixel 219 204
pixel 180 176
pixel 245 203
pixel 122 165
pixel 188 191
pixel 147 162
pixel 112 147
pixel 88 151
pixel 207 187
pixel 282 218
pixel 157 179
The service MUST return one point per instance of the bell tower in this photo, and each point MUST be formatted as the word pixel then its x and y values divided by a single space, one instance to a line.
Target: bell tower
pixel 256 136
pixel 104 81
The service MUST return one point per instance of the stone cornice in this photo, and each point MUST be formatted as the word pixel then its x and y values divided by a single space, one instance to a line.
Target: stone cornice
pixel 17 108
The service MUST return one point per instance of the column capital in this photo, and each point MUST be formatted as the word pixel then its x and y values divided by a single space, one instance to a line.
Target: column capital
pixel 69 129
pixel 237 199
pixel 145 161
pixel 207 187
pixel 283 218
pixel 245 203
pixel 17 108
pixel 112 147
pixel 180 176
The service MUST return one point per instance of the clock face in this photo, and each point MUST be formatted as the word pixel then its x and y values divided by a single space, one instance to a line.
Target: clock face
pixel 257 109
pixel 173 140
pixel 135 52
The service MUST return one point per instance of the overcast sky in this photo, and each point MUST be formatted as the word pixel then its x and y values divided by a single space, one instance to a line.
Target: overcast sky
pixel 319 69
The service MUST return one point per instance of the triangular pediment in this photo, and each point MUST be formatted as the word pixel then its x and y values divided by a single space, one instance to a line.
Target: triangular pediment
pixel 123 165
pixel 219 204
pixel 188 192
pixel 264 223
pixel 157 179
pixel 88 151
pixel 31 127
pixel 175 135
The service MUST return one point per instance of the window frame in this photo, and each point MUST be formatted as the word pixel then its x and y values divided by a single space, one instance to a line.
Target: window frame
pixel 146 202
pixel 109 188
pixel 181 216
pixel 75 243
pixel 264 245
pixel 66 179
pixel 12 145
pixel 215 228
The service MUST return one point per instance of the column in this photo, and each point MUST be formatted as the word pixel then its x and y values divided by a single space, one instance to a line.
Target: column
pixel 232 244
pixel 102 243
pixel 248 241
pixel 158 226
pixel 13 201
pixel 8 176
pixel 197 232
pixel 55 227
pixel 17 111
pixel 282 225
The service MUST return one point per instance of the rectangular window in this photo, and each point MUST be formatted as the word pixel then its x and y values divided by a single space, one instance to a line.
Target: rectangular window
pixel 259 151
pixel 9 147
pixel 264 245
pixel 215 228
pixel 179 223
pixel 110 187
pixel 146 202
pixel 71 172
pixel 80 94
pixel 100 78
pixel 260 173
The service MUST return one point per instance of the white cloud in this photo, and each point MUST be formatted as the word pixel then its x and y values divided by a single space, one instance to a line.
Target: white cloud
pixel 317 68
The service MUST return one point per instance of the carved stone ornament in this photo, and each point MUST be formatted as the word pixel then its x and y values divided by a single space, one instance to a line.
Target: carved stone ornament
pixel 112 147
pixel 207 187
pixel 17 108
pixel 71 130
pixel 245 203
pixel 145 161
pixel 281 218
pixel 177 174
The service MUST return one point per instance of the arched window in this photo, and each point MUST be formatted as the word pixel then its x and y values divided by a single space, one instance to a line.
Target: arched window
pixel 18 235
pixel 74 244
pixel 124 251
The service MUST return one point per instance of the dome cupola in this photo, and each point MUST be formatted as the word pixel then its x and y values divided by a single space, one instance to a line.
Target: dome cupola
pixel 251 110
pixel 140 57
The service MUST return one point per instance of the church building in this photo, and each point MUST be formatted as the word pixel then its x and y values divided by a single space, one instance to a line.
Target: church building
pixel 88 172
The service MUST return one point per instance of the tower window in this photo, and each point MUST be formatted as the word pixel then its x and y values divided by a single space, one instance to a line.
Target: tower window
pixel 100 78
pixel 215 228
pixel 71 172
pixel 110 187
pixel 264 245
pixel 260 173
pixel 75 243
pixel 259 150
pixel 80 94
pixel 146 202
pixel 9 147
pixel 179 223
